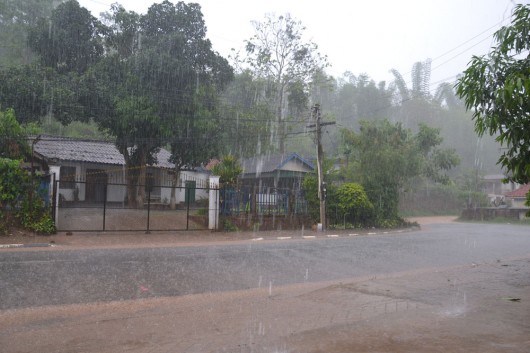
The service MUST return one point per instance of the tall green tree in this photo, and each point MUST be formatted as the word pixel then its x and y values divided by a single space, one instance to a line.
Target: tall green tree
pixel 184 77
pixel 495 87
pixel 161 72
pixel 386 157
pixel 122 34
pixel 70 41
pixel 278 52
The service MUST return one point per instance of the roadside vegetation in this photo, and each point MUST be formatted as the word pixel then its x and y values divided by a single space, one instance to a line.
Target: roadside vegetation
pixel 21 202
pixel 147 81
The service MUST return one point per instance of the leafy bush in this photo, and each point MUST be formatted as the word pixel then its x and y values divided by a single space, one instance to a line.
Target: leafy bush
pixel 227 225
pixel 347 202
pixel 15 188
pixel 44 225
pixel 228 170
pixel 13 142
pixel 14 182
pixel 353 201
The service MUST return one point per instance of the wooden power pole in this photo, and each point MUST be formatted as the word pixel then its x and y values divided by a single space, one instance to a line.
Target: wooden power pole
pixel 320 158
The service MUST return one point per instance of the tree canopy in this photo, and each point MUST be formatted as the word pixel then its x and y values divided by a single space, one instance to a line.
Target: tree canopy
pixel 71 40
pixel 278 52
pixel 495 88
pixel 386 157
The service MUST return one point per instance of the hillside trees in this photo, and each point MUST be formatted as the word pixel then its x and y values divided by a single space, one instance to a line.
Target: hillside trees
pixel 246 116
pixel 16 17
pixel 414 105
pixel 66 44
pixel 360 98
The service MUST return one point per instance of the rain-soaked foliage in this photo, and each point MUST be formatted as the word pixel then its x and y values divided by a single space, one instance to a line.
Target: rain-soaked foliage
pixel 152 80
pixel 495 88
pixel 387 157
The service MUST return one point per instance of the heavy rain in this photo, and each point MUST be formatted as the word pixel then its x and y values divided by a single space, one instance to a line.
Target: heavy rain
pixel 264 177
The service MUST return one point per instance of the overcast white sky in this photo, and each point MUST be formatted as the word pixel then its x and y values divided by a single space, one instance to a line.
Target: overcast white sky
pixel 362 36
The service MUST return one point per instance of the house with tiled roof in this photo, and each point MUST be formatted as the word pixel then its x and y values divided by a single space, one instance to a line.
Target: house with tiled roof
pixel 494 185
pixel 94 171
pixel 517 197
pixel 276 171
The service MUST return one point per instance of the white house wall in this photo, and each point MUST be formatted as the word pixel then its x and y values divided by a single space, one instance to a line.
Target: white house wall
pixel 180 192
pixel 117 191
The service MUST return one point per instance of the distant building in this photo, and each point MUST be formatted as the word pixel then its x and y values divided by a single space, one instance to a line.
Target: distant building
pixel 275 171
pixel 495 188
pixel 517 198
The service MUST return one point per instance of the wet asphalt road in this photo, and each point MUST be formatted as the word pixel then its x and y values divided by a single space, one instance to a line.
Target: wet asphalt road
pixel 36 278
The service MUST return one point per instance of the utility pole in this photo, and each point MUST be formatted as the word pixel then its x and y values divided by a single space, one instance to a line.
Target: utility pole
pixel 320 157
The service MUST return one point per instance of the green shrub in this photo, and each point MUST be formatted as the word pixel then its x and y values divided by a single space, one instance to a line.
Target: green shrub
pixel 227 225
pixel 15 188
pixel 13 183
pixel 45 225
pixel 353 201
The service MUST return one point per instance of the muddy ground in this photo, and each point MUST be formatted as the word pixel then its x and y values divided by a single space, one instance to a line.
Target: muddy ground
pixel 478 308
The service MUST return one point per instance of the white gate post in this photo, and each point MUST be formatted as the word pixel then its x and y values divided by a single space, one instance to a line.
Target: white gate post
pixel 213 197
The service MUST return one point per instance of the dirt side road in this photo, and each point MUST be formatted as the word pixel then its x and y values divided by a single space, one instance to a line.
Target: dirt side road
pixel 476 308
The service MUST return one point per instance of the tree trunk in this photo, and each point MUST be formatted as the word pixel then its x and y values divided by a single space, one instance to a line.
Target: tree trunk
pixel 141 179
pixel 174 184
pixel 130 181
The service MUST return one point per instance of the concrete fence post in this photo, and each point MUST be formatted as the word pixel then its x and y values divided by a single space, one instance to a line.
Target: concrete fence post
pixel 213 197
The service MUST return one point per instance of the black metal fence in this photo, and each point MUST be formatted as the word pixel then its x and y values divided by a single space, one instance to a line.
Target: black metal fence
pixel 269 201
pixel 92 206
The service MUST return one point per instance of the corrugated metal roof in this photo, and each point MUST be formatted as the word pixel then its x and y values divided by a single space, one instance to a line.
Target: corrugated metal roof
pixel 68 149
pixel 270 163
pixel 519 193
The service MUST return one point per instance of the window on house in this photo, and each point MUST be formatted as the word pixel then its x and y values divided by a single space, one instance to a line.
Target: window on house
pixel 67 177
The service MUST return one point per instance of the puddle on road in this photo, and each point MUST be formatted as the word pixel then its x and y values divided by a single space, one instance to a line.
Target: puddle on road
pixel 453 312
pixel 457 307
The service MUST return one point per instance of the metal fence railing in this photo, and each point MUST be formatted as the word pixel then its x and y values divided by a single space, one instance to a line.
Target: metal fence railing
pixel 86 206
pixel 248 200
